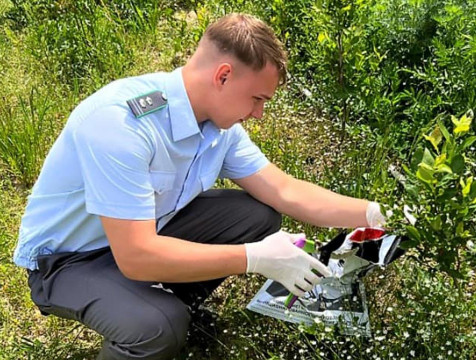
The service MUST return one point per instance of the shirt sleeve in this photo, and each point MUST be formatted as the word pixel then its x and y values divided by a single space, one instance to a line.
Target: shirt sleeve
pixel 114 153
pixel 243 158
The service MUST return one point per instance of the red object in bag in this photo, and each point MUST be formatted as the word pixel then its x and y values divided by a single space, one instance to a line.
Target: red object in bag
pixel 366 234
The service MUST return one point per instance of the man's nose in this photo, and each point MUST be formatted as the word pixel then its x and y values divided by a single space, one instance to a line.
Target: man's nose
pixel 257 112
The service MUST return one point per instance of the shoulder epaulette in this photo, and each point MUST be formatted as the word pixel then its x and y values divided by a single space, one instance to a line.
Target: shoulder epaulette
pixel 147 103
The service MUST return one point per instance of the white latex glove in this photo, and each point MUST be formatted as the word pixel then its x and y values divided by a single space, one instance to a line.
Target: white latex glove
pixel 277 258
pixel 374 217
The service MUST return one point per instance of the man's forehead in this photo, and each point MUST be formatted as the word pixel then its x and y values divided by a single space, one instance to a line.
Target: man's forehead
pixel 267 81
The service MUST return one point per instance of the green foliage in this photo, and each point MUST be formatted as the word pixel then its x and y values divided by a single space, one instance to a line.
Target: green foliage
pixel 27 132
pixel 74 39
pixel 385 69
pixel 440 189
pixel 388 64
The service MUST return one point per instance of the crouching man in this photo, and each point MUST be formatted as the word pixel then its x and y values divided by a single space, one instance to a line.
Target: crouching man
pixel 123 201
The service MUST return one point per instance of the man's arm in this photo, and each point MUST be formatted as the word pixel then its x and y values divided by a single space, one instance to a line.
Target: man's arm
pixel 143 255
pixel 304 201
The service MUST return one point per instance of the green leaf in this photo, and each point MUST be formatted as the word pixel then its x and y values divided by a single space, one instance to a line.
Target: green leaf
pixel 407 170
pixel 441 159
pixel 434 138
pixel 460 228
pixel 413 233
pixel 461 125
pixel 444 168
pixel 416 159
pixel 436 223
pixel 408 244
pixel 425 173
pixel 347 8
pixel 472 192
pixel 457 164
pixel 428 158
pixel 444 130
pixel 448 194
pixel 467 186
pixel 321 37
pixel 412 190
pixel 468 142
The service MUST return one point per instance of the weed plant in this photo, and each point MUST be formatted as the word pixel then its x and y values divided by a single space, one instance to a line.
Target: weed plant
pixel 386 69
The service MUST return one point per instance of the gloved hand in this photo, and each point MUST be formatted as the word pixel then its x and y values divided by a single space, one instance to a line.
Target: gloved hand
pixel 375 218
pixel 277 258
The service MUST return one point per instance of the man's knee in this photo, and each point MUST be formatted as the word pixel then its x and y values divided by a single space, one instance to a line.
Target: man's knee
pixel 264 217
pixel 152 338
pixel 261 217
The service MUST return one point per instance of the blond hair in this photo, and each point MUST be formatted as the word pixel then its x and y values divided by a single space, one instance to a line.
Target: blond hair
pixel 249 40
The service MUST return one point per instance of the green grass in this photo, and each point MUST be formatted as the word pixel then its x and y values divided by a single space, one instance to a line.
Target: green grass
pixel 414 313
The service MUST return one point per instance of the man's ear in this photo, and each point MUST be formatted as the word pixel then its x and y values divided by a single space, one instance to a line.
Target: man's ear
pixel 222 74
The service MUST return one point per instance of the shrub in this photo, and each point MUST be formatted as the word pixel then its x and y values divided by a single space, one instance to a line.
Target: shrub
pixel 440 188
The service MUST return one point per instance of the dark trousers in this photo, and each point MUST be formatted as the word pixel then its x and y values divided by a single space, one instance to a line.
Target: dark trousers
pixel 139 320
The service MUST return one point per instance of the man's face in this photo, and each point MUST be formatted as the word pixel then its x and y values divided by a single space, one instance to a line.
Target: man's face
pixel 242 94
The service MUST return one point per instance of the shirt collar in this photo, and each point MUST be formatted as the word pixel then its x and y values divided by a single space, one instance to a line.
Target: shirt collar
pixel 182 119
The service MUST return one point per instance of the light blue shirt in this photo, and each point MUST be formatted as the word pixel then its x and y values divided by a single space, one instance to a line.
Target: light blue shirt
pixel 108 162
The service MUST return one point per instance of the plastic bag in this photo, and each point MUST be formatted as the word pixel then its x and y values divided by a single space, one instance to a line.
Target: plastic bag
pixel 341 297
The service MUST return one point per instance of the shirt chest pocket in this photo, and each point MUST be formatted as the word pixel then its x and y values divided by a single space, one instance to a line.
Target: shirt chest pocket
pixel 208 180
pixel 162 181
